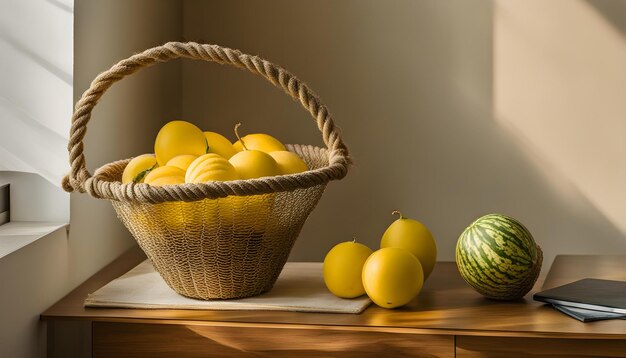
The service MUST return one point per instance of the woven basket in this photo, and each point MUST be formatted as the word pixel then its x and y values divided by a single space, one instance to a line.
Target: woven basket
pixel 214 240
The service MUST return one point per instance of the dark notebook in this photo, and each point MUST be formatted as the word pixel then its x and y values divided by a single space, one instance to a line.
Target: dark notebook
pixel 588 293
pixel 585 315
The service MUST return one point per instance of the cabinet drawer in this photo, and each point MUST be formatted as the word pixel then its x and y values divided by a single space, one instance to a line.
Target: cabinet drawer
pixel 170 340
pixel 488 347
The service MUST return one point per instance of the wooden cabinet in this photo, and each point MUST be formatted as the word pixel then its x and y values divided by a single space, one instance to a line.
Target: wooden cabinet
pixel 158 340
pixel 513 347
pixel 448 319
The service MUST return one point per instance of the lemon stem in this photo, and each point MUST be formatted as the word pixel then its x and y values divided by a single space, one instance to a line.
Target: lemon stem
pixel 353 239
pixel 396 212
pixel 238 137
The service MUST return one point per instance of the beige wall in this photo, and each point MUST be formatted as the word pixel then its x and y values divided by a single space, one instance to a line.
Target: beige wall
pixel 411 83
pixel 559 90
pixel 128 116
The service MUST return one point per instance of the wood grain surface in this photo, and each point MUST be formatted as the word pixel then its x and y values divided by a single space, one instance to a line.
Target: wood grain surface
pixel 488 347
pixel 447 305
pixel 155 340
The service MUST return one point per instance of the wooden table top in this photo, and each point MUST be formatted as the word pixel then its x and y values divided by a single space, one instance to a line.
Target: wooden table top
pixel 446 305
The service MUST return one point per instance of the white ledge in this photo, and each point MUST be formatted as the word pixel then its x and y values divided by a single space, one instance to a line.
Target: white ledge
pixel 15 235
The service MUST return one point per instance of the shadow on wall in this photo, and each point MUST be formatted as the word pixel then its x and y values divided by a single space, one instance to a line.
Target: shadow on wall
pixel 412 87
pixel 5 35
pixel 36 89
pixel 613 11
pixel 67 5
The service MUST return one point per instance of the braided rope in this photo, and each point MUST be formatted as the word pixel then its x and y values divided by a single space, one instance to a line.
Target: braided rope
pixel 100 186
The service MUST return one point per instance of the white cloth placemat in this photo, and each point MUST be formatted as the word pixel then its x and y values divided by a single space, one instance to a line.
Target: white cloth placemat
pixel 300 287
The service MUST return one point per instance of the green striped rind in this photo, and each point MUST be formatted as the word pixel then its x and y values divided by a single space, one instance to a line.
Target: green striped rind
pixel 495 255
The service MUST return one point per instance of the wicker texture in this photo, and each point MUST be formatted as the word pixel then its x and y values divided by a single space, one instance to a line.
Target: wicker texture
pixel 214 240
pixel 221 248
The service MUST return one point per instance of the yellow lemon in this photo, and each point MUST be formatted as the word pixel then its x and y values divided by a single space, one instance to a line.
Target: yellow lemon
pixel 254 164
pixel 165 175
pixel 138 167
pixel 181 161
pixel 258 141
pixel 210 167
pixel 176 138
pixel 392 277
pixel 289 162
pixel 342 269
pixel 413 236
pixel 219 144
pixel 220 214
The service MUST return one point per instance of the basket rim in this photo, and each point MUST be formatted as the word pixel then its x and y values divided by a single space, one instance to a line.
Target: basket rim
pixel 110 188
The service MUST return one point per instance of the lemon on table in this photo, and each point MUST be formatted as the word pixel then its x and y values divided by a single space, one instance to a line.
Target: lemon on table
pixel 342 269
pixel 176 138
pixel 415 237
pixel 289 162
pixel 219 144
pixel 392 277
pixel 138 167
pixel 165 175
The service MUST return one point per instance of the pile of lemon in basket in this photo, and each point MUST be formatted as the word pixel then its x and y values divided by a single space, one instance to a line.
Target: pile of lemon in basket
pixel 185 154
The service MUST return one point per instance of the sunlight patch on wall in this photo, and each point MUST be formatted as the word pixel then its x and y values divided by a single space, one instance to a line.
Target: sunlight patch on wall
pixel 560 86
pixel 36 43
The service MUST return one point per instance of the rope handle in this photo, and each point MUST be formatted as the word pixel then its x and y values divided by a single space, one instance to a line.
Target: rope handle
pixel 279 77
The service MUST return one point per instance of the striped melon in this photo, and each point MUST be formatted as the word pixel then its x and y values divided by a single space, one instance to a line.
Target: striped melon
pixel 498 257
